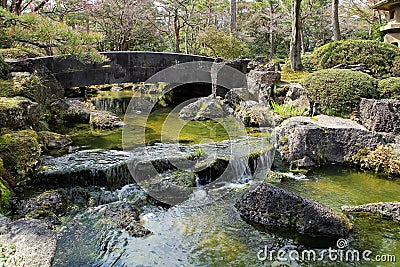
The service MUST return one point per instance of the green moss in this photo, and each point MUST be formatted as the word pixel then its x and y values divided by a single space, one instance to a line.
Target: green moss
pixel 383 159
pixel 289 75
pixel 283 140
pixel 4 71
pixel 5 192
pixel 184 179
pixel 339 92
pixel 389 88
pixel 8 103
pixel 378 56
pixel 20 152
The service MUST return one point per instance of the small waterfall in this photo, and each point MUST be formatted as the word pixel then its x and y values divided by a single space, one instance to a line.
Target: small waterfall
pixel 117 106
pixel 215 68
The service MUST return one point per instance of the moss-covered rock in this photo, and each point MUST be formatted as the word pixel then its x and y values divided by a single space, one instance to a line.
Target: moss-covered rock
pixel 20 152
pixel 71 110
pixel 105 120
pixel 18 113
pixel 378 56
pixel 339 92
pixel 5 191
pixel 389 88
pixel 382 159
pixel 3 69
pixel 50 140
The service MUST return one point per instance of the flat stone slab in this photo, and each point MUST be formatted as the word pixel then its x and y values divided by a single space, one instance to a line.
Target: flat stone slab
pixel 35 243
pixel 114 168
pixel 387 209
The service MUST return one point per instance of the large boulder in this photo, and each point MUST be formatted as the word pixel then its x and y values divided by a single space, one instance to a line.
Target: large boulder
pixel 34 243
pixel 205 108
pixel 260 83
pixel 18 113
pixel 254 114
pixel 305 141
pixel 296 97
pixel 71 110
pixel 272 206
pixel 105 120
pixel 380 115
pixel 386 209
pixel 236 96
pixel 21 153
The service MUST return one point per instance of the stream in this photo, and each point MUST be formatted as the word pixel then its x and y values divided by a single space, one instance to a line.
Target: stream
pixel 206 229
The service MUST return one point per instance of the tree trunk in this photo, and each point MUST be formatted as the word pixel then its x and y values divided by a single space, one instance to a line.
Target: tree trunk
pixel 176 31
pixel 272 48
pixel 335 20
pixel 272 42
pixel 233 16
pixel 295 43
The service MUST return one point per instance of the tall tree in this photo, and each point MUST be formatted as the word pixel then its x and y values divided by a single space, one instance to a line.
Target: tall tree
pixel 335 20
pixel 295 43
pixel 233 16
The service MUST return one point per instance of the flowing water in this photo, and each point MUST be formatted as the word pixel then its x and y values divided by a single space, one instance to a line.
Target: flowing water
pixel 206 230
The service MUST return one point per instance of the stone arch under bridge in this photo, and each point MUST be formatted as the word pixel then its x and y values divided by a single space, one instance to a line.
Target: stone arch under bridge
pixel 122 67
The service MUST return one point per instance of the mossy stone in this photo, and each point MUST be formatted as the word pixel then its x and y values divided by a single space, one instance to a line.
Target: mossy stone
pixel 20 152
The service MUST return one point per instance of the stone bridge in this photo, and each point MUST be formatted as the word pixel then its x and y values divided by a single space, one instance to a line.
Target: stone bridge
pixel 130 66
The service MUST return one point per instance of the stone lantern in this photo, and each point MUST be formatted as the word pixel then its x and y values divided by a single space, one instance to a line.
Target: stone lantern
pixel 392 29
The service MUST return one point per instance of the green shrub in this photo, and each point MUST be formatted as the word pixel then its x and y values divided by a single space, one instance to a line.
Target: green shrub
pixel 3 69
pixel 389 88
pixel 380 57
pixel 19 53
pixel 339 92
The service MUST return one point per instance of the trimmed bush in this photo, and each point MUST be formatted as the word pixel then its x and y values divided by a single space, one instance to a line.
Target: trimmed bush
pixel 19 53
pixel 3 69
pixel 378 56
pixel 389 88
pixel 339 92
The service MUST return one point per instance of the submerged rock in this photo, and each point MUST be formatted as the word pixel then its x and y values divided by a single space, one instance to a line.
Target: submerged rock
pixel 272 206
pixel 387 209
pixel 105 120
pixel 47 204
pixel 18 113
pixel 35 243
pixel 305 142
pixel 205 108
pixel 125 216
pixel 380 115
